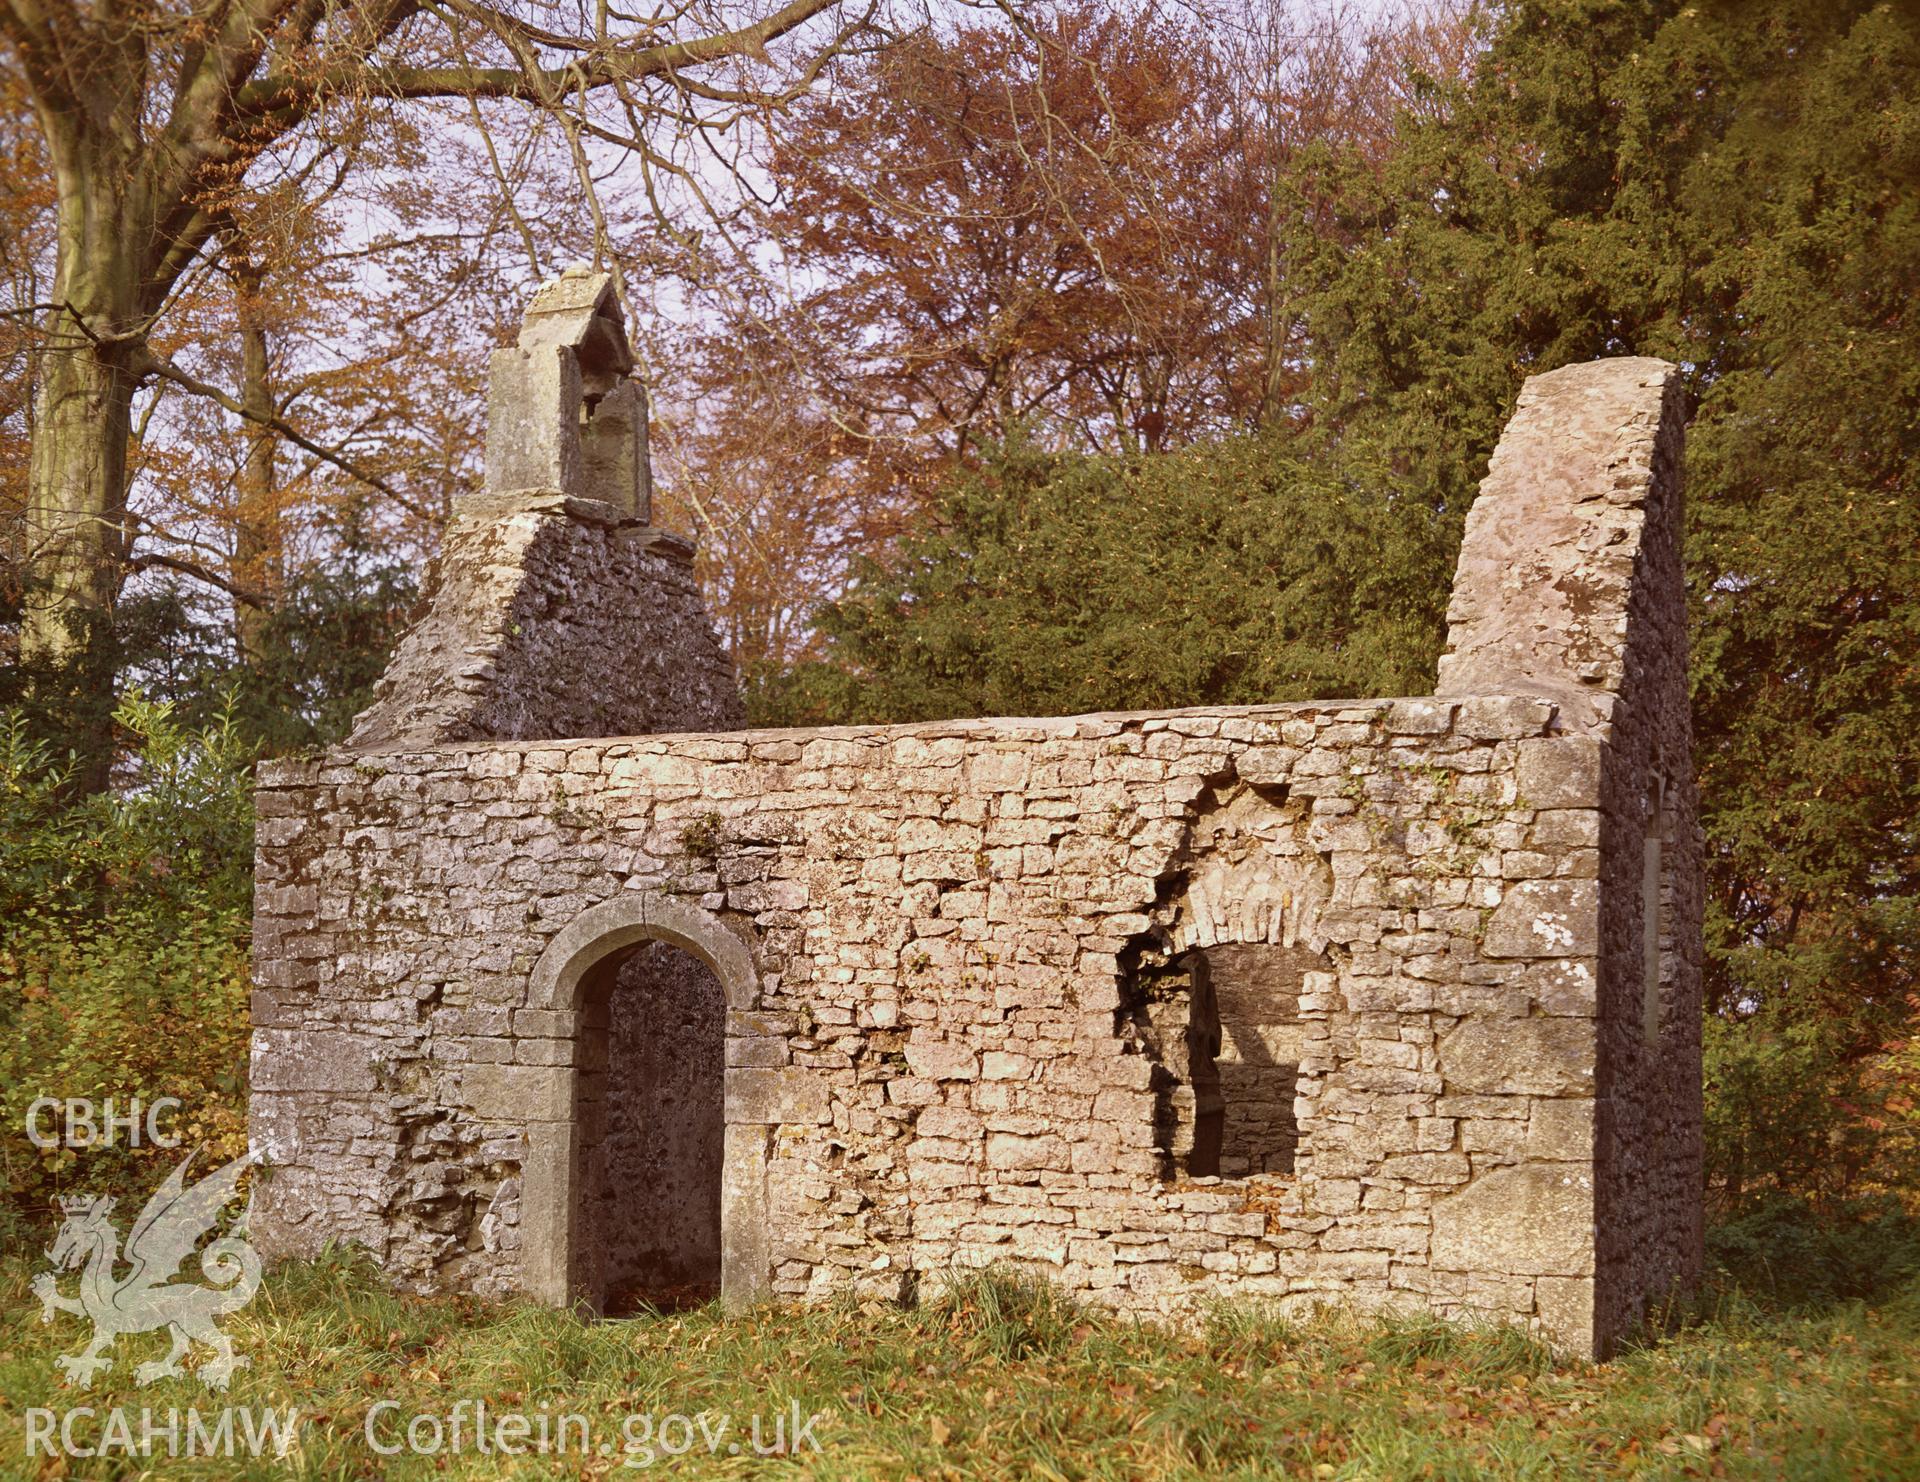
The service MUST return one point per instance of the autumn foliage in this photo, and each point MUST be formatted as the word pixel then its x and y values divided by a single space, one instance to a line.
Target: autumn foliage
pixel 1098 232
pixel 1094 353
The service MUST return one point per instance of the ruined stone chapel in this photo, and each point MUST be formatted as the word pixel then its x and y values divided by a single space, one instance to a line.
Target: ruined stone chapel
pixel 569 986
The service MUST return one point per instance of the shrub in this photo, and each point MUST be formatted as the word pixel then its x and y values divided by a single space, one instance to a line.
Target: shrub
pixel 1049 584
pixel 123 963
pixel 1789 1251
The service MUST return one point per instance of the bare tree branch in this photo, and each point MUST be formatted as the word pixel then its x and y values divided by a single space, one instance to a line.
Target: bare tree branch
pixel 255 599
pixel 149 364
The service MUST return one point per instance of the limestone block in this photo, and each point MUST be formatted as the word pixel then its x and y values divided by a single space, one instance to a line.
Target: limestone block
pixel 947 1122
pixel 1561 1129
pixel 274 1010
pixel 745 1253
pixel 1546 918
pixel 1007 1150
pixel 1426 1168
pixel 544 1023
pixel 1496 1292
pixel 1530 1219
pixel 1519 1057
pixel 1566 1309
pixel 1419 717
pixel 943 1060
pixel 1502 717
pixel 1566 828
pixel 518 1093
pixel 767 1096
pixel 533 437
pixel 313 1060
pixel 1560 772
pixel 1563 986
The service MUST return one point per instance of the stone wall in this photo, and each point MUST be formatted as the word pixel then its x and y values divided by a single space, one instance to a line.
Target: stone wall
pixel 1571 584
pixel 1005 991
pixel 941 916
pixel 1650 1172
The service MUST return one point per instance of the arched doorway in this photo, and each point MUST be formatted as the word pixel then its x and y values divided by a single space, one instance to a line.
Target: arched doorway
pixel 648 1116
pixel 643 1182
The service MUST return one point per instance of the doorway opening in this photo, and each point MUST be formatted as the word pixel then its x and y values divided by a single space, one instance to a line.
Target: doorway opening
pixel 648 1118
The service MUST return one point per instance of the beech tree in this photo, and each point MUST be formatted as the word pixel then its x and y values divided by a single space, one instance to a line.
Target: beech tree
pixel 153 114
pixel 1014 224
pixel 26 218
pixel 1095 227
pixel 319 410
pixel 329 357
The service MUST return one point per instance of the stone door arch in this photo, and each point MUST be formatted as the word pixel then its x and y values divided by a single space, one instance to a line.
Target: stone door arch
pixel 552 1173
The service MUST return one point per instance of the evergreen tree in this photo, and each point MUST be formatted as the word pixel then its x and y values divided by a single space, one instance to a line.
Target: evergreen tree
pixel 1057 583
pixel 1734 185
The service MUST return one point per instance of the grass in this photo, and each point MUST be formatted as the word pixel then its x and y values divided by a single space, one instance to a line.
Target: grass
pixel 1000 1379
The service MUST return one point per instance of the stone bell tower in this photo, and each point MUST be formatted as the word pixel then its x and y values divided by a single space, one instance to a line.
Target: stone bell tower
pixel 563 411
pixel 556 606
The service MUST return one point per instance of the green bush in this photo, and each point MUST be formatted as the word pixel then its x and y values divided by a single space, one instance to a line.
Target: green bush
pixel 1793 1108
pixel 1791 1252
pixel 123 955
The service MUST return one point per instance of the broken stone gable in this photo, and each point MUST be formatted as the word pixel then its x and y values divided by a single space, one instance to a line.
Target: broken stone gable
pixel 568 986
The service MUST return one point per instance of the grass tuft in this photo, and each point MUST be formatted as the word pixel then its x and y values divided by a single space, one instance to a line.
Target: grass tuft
pixel 999 1376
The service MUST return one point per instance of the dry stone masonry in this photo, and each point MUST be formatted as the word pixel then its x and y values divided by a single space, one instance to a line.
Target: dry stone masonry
pixel 568 987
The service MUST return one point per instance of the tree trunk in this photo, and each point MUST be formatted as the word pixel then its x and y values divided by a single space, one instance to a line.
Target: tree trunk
pixel 1274 366
pixel 76 537
pixel 76 542
pixel 258 546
